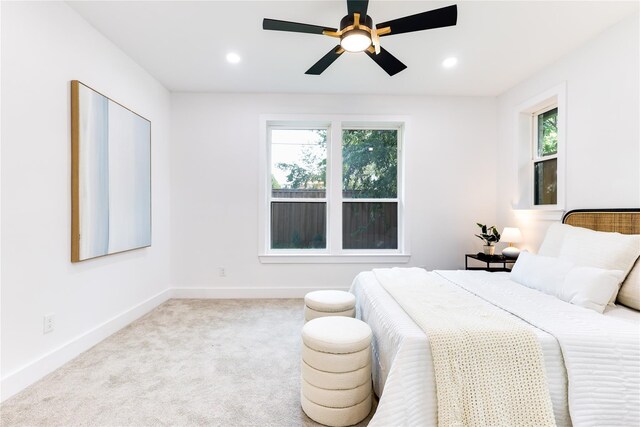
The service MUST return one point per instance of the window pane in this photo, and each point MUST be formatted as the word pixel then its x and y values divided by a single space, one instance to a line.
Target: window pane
pixel 545 182
pixel 548 133
pixel 298 225
pixel 298 162
pixel 369 225
pixel 370 163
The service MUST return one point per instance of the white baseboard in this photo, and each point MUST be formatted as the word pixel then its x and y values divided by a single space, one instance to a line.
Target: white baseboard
pixel 242 292
pixel 31 372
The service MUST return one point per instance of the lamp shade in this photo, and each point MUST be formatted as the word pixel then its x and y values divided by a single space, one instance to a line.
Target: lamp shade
pixel 511 235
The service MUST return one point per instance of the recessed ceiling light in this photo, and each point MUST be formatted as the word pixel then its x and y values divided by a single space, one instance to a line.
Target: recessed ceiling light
pixel 233 58
pixel 450 62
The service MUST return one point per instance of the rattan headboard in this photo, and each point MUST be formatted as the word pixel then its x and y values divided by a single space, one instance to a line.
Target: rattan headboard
pixel 625 221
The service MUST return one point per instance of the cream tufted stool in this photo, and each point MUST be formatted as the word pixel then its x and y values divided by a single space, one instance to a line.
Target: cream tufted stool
pixel 329 303
pixel 336 370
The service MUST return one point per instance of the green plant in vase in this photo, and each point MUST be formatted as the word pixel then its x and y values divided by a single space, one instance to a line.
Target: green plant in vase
pixel 490 236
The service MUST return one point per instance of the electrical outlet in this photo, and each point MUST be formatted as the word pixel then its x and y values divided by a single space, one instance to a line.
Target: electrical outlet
pixel 49 323
pixel 222 272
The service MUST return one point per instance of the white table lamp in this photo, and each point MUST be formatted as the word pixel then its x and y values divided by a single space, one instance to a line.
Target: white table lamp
pixel 511 235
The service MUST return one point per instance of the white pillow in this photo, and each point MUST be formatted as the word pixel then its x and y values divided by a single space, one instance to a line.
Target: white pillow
pixel 629 294
pixel 543 273
pixel 553 239
pixel 590 287
pixel 587 287
pixel 611 251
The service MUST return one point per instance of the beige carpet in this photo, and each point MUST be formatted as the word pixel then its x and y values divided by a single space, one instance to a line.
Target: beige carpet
pixel 188 362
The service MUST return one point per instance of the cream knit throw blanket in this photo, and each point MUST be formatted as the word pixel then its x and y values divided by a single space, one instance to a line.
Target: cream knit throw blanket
pixel 489 369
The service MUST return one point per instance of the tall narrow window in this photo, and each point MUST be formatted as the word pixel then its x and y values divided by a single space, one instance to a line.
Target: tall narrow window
pixel 298 202
pixel 370 189
pixel 540 154
pixel 545 156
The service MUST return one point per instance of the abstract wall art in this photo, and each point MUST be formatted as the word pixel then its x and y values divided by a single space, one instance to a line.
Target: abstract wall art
pixel 111 176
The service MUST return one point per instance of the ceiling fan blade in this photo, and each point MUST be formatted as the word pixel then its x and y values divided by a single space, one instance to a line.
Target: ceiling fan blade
pixel 388 62
pixel 437 18
pixel 325 61
pixel 357 6
pixel 295 27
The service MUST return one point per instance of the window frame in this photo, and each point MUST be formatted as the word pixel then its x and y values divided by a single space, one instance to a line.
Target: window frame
pixel 399 187
pixel 524 151
pixel 333 253
pixel 325 199
pixel 535 158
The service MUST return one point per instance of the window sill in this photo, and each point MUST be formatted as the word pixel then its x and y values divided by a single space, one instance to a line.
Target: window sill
pixel 334 259
pixel 540 214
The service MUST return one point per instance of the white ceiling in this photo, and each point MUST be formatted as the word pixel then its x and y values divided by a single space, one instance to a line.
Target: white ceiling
pixel 184 44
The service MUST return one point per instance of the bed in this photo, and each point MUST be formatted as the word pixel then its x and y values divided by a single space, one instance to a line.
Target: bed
pixel 403 372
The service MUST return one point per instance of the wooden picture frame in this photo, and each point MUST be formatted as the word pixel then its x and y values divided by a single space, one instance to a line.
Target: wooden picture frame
pixel 110 176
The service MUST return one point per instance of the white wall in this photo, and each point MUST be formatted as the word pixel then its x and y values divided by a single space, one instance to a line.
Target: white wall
pixel 450 168
pixel 603 140
pixel 44 47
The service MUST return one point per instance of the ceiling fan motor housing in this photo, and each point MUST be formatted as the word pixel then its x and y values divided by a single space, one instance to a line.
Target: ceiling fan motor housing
pixel 356 33
pixel 349 21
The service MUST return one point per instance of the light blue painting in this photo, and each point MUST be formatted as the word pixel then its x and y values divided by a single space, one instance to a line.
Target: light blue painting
pixel 113 177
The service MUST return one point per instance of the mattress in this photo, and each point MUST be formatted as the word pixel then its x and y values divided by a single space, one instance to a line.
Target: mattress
pixel 403 374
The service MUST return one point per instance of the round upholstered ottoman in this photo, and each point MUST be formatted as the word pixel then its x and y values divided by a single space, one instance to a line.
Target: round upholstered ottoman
pixel 336 370
pixel 329 303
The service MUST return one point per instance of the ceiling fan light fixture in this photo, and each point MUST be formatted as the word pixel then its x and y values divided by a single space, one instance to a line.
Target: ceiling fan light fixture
pixel 358 33
pixel 355 40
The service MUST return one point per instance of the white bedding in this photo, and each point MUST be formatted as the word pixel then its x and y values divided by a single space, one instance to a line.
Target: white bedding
pixel 624 313
pixel 403 373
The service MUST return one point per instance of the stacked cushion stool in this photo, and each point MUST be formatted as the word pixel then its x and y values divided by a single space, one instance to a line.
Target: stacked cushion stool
pixel 329 303
pixel 336 370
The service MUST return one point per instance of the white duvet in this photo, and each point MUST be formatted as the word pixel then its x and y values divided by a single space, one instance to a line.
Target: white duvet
pixel 595 357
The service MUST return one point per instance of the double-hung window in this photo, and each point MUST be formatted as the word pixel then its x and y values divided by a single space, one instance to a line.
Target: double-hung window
pixel 298 202
pixel 369 188
pixel 540 154
pixel 333 189
pixel 545 156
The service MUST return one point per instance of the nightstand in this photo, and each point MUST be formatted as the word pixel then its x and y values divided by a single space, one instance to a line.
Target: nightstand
pixel 488 260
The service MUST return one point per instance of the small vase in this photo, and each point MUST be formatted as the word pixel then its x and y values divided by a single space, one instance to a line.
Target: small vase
pixel 489 250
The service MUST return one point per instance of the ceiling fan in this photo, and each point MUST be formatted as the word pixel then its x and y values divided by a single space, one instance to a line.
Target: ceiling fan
pixel 358 33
